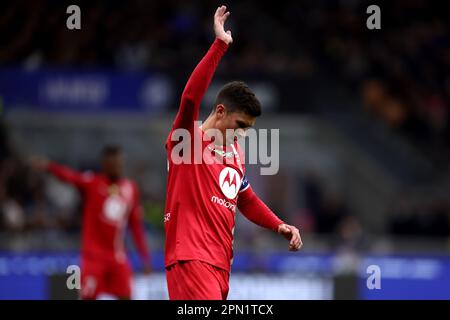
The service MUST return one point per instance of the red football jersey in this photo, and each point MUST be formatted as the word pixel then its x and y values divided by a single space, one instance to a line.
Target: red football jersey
pixel 202 198
pixel 107 210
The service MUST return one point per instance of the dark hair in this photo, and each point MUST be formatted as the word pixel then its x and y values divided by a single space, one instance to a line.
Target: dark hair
pixel 236 96
pixel 111 150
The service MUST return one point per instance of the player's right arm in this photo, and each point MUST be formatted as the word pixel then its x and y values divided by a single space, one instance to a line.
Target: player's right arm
pixel 202 75
pixel 78 179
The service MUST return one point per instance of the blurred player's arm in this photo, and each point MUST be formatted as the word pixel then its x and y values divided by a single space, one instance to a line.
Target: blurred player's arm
pixel 255 210
pixel 66 174
pixel 136 223
pixel 202 75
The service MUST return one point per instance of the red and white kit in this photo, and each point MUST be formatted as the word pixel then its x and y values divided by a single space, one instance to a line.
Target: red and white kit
pixel 202 200
pixel 108 208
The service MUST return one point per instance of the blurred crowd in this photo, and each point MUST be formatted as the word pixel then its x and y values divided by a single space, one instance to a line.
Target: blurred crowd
pixel 411 214
pixel 400 72
pixel 414 215
pixel 25 203
pixel 34 201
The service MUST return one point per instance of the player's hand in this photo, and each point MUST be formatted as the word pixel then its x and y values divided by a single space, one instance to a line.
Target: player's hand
pixel 220 17
pixel 292 234
pixel 39 163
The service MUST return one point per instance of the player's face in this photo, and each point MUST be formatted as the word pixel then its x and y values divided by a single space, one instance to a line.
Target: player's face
pixel 239 122
pixel 113 166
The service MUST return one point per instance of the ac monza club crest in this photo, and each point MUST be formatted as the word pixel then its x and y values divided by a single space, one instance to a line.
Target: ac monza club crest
pixel 230 182
pixel 115 208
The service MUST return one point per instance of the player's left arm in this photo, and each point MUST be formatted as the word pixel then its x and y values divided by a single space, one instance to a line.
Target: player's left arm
pixel 254 209
pixel 136 223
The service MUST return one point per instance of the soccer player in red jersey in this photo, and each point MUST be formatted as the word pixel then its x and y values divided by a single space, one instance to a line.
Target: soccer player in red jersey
pixel 202 197
pixel 111 202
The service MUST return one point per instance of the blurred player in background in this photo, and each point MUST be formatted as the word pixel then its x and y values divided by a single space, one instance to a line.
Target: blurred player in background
pixel 111 202
pixel 202 198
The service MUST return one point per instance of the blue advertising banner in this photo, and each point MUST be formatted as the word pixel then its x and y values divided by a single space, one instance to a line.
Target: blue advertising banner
pixel 84 91
pixel 26 275
pixel 405 277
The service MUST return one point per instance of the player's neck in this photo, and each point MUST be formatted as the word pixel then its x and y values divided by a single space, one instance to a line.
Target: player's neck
pixel 112 179
pixel 209 124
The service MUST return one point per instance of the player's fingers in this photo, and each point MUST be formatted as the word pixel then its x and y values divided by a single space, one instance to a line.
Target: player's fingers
pixel 295 238
pixel 219 11
pixel 297 245
pixel 300 242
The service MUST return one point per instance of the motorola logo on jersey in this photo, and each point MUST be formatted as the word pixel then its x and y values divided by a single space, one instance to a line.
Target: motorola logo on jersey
pixel 230 182
pixel 224 202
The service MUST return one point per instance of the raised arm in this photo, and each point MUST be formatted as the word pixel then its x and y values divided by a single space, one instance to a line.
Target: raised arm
pixel 202 75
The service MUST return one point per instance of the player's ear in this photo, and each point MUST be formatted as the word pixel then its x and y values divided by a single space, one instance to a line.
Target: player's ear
pixel 220 110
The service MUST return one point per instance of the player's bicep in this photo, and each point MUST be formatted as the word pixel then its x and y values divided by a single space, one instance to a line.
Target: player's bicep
pixel 76 178
pixel 245 195
pixel 187 112
pixel 181 136
pixel 84 179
